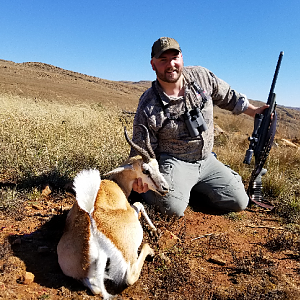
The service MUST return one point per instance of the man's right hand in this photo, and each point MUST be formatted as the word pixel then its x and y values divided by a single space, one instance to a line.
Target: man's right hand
pixel 139 187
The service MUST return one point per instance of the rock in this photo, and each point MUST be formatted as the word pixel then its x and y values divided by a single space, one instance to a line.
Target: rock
pixel 217 260
pixel 37 207
pixel 167 240
pixel 219 131
pixel 287 143
pixel 165 258
pixel 46 191
pixel 28 278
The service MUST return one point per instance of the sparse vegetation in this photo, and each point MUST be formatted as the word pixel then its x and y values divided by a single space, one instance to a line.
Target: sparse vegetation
pixel 48 143
pixel 281 183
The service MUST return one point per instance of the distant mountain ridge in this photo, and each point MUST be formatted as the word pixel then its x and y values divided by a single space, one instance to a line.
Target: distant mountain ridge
pixel 290 107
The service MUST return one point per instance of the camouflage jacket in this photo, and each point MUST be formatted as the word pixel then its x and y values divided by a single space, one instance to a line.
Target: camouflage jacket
pixel 167 128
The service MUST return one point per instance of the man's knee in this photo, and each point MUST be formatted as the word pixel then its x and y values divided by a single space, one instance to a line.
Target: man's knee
pixel 171 206
pixel 240 204
pixel 173 210
pixel 167 205
pixel 239 201
pixel 236 194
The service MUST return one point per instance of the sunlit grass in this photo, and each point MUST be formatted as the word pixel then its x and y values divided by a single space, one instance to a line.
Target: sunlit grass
pixel 39 138
pixel 44 142
pixel 281 183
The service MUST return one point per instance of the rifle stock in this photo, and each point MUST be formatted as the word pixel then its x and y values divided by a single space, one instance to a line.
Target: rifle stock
pixel 264 127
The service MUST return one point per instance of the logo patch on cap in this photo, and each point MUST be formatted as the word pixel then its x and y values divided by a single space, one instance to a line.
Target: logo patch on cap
pixel 164 42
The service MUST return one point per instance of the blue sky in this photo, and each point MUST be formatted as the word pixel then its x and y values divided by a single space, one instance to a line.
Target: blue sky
pixel 238 40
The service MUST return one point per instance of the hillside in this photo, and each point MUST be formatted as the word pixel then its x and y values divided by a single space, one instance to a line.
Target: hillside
pixel 46 82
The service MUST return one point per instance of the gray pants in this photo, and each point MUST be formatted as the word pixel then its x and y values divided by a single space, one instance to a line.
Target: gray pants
pixel 208 178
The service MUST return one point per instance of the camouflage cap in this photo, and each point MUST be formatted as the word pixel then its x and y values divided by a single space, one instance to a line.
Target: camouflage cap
pixel 163 44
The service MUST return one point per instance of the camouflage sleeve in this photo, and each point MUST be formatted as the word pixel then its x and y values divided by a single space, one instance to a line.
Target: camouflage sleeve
pixel 220 91
pixel 229 99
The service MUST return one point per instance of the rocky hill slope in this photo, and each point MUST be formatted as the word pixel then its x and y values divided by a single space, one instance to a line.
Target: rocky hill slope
pixel 47 82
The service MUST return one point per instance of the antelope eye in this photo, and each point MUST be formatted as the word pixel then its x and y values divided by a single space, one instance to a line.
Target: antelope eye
pixel 146 172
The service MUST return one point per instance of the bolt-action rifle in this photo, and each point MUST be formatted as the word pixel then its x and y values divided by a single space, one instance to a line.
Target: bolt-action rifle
pixel 261 142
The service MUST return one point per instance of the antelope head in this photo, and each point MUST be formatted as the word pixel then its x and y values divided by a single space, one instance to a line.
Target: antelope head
pixel 143 166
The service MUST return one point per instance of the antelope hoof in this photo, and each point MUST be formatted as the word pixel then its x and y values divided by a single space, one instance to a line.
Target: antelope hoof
pixel 154 232
pixel 151 252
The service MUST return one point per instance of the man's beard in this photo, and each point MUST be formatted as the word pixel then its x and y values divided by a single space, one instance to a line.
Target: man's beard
pixel 166 78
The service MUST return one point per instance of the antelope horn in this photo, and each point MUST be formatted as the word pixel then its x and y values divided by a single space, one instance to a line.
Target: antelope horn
pixel 144 154
pixel 147 141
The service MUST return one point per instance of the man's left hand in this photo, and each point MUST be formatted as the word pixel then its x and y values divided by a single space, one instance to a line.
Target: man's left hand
pixel 253 110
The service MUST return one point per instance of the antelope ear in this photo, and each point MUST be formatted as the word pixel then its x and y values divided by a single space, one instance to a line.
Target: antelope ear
pixel 119 170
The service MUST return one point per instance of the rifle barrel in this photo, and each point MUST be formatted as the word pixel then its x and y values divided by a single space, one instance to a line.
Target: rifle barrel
pixel 275 77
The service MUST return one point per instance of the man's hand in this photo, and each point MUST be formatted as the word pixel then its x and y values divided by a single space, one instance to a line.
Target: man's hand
pixel 253 110
pixel 139 187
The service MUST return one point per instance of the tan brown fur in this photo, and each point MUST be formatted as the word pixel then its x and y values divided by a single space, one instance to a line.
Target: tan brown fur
pixel 132 160
pixel 77 224
pixel 111 206
pixel 126 178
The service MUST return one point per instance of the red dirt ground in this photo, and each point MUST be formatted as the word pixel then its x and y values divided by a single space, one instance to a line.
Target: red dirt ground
pixel 221 252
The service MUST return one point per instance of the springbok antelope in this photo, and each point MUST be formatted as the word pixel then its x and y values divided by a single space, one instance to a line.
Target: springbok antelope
pixel 102 234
